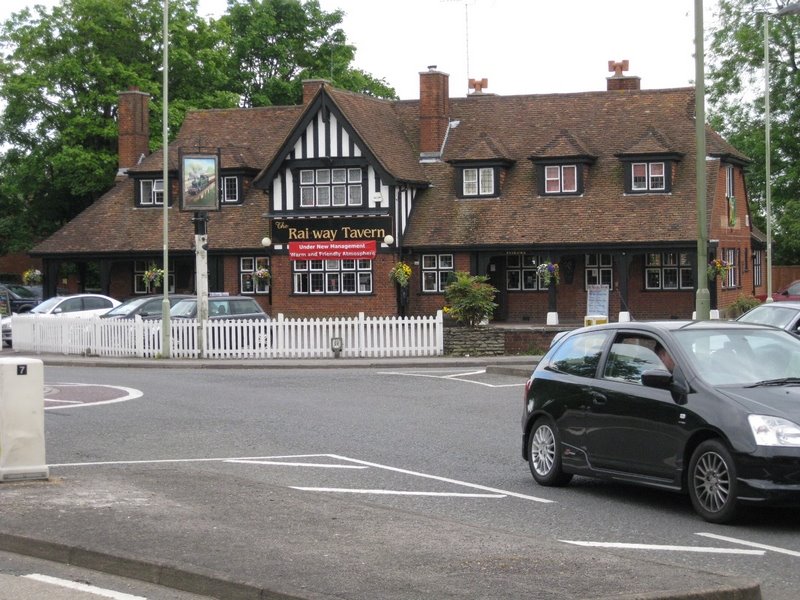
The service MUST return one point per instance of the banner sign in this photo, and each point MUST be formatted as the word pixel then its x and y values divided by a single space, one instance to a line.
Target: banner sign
pixel 199 182
pixel 285 231
pixel 332 250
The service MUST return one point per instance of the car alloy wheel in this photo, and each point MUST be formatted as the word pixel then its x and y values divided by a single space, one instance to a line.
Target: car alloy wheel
pixel 544 455
pixel 712 482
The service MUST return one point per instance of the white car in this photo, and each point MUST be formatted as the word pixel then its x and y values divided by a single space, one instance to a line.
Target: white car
pixel 76 305
pixel 6 324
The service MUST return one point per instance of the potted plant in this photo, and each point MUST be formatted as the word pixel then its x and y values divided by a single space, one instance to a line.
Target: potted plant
pixel 470 299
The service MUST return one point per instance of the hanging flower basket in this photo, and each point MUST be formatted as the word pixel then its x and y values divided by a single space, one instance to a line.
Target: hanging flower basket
pixel 153 277
pixel 717 268
pixel 400 274
pixel 548 272
pixel 32 277
pixel 263 275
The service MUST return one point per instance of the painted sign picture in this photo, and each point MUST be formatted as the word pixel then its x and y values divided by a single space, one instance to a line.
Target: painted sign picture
pixel 199 190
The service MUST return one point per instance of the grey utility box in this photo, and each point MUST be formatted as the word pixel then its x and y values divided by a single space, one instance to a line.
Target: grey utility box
pixel 22 419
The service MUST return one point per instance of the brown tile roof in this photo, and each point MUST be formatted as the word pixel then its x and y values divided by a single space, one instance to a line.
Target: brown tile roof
pixel 513 128
pixel 613 123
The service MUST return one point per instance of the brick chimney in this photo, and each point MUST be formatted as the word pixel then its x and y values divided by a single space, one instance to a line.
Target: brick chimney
pixel 133 119
pixel 434 111
pixel 618 81
pixel 311 87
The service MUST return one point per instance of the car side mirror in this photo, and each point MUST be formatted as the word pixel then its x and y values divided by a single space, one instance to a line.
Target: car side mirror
pixel 664 380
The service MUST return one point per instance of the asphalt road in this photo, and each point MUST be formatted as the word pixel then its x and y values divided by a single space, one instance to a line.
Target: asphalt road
pixel 440 443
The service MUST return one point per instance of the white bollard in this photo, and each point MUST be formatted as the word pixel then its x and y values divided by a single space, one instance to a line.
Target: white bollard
pixel 552 318
pixel 624 316
pixel 22 453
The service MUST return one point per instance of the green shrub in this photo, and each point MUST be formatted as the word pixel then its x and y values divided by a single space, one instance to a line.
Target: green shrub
pixel 469 298
pixel 740 306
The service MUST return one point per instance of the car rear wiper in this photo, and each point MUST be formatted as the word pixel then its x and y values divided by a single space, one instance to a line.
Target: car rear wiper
pixel 780 381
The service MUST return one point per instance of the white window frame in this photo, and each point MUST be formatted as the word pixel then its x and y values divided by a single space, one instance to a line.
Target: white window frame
pixel 230 190
pixel 522 274
pixel 732 276
pixel 556 173
pixel 667 271
pixel 478 182
pixel 248 284
pixel 317 277
pixel 650 177
pixel 331 187
pixel 599 269
pixel 151 192
pixel 436 269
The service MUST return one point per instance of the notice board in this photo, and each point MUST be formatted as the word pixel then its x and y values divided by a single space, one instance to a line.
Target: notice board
pixel 597 300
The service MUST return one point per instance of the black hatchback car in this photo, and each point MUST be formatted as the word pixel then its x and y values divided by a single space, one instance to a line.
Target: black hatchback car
pixel 711 408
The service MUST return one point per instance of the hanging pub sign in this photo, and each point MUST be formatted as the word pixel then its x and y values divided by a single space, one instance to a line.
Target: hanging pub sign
pixel 199 179
pixel 285 231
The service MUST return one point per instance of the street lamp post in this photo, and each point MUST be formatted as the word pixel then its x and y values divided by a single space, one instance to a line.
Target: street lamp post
pixel 791 9
pixel 703 296
pixel 165 324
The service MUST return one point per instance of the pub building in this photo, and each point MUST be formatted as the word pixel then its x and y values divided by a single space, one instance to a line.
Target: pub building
pixel 316 203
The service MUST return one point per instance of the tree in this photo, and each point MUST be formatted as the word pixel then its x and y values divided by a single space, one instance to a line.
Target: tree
pixel 736 96
pixel 275 44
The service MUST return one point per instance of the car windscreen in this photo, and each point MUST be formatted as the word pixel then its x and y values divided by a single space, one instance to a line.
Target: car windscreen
pixel 46 306
pixel 126 308
pixel 770 314
pixel 741 356
pixel 20 291
pixel 184 308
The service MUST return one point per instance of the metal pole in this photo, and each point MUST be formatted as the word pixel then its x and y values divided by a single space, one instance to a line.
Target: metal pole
pixel 165 324
pixel 767 157
pixel 703 299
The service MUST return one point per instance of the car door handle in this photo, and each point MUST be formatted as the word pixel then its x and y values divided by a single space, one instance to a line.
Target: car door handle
pixel 598 398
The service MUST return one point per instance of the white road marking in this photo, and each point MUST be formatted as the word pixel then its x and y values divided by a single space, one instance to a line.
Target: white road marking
pixel 752 544
pixel 294 464
pixel 443 479
pixel 131 394
pixel 182 460
pixel 395 492
pixel 64 401
pixel 74 585
pixel 454 377
pixel 257 459
pixel 663 547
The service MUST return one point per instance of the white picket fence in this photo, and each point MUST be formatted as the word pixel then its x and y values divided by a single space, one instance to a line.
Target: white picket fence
pixel 360 336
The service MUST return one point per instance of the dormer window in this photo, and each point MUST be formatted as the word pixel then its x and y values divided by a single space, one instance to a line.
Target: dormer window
pixel 648 177
pixel 560 179
pixel 478 182
pixel 331 187
pixel 649 173
pixel 151 192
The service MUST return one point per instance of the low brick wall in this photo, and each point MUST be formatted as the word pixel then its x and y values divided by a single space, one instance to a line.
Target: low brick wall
pixel 497 340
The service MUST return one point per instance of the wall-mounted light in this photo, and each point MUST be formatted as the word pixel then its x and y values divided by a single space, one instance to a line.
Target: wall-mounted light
pixel 377 198
pixel 266 242
pixel 388 240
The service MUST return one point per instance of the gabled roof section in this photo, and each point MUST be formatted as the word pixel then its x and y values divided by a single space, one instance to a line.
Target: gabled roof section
pixel 652 142
pixel 484 149
pixel 564 146
pixel 247 138
pixel 371 122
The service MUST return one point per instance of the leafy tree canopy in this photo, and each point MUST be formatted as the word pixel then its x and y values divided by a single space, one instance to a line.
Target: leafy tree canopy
pixel 737 98
pixel 61 71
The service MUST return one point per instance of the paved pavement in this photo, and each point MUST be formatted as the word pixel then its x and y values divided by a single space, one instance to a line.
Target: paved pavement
pixel 223 537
